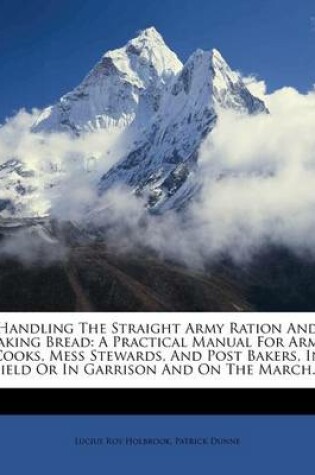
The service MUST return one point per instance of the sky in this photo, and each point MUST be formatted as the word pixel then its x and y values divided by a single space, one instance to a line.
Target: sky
pixel 47 47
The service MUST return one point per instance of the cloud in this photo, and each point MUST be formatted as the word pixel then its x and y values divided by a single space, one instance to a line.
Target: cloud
pixel 33 246
pixel 42 151
pixel 57 172
pixel 260 186
pixel 257 87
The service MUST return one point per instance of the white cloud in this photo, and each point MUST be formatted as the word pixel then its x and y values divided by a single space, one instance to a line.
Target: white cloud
pixel 257 87
pixel 73 164
pixel 266 192
pixel 33 246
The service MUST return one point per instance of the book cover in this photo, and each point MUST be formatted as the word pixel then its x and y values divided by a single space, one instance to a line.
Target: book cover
pixel 157 287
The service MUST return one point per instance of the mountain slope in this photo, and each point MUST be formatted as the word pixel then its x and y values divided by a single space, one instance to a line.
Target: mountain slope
pixel 94 279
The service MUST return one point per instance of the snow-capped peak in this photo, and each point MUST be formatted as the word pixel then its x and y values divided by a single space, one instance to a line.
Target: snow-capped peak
pixel 216 55
pixel 145 59
pixel 148 36
pixel 124 86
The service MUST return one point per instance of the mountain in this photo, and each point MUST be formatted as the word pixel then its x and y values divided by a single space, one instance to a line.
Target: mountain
pixel 161 110
pixel 125 87
pixel 92 277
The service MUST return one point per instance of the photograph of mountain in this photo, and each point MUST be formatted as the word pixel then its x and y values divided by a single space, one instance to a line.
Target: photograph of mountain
pixel 171 178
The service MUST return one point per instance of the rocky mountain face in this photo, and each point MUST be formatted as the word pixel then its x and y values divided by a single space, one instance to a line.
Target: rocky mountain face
pixel 92 278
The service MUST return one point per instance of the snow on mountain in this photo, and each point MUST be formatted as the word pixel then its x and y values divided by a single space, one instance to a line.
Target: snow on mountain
pixel 21 190
pixel 124 87
pixel 161 167
pixel 141 88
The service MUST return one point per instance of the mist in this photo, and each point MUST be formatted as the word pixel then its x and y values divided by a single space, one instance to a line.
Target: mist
pixel 57 150
pixel 33 247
